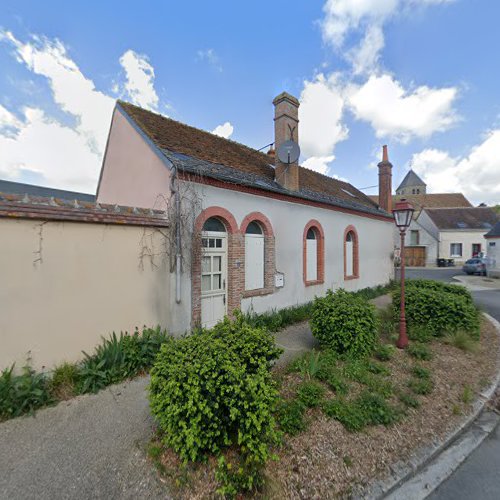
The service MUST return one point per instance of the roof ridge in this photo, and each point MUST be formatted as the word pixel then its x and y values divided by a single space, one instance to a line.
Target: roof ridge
pixel 264 155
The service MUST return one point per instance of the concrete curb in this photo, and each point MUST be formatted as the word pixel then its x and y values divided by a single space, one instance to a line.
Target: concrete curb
pixel 429 466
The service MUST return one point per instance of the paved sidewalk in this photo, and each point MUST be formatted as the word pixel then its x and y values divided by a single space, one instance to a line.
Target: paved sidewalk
pixel 478 283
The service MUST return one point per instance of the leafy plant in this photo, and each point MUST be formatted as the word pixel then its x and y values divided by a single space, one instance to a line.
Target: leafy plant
pixel 349 414
pixel 376 409
pixel 384 352
pixel 290 416
pixel 310 393
pixel 276 320
pixel 213 390
pixel 23 393
pixel 309 364
pixel 421 372
pixel 420 333
pixel 421 386
pixel 344 323
pixel 419 351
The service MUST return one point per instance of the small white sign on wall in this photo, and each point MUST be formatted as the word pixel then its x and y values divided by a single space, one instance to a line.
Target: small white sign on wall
pixel 279 280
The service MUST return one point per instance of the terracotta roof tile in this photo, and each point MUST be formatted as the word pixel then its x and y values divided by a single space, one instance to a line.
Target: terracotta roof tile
pixel 174 137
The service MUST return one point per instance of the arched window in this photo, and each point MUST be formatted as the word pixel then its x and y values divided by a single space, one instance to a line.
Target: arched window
pixel 313 253
pixel 214 224
pixel 351 253
pixel 254 256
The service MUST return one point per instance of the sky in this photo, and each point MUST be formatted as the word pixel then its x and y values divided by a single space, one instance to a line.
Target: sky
pixel 419 75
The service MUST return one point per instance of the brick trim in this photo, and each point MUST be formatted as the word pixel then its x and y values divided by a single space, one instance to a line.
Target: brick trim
pixel 279 196
pixel 355 253
pixel 320 259
pixel 235 273
pixel 269 253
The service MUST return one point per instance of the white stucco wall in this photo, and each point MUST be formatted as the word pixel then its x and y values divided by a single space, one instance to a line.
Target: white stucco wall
pixel 493 254
pixel 425 239
pixel 88 283
pixel 132 173
pixel 467 238
pixel 288 221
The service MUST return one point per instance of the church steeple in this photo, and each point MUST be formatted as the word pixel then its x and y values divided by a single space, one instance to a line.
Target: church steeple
pixel 412 184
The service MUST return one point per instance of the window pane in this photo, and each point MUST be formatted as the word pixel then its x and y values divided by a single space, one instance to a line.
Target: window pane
pixel 205 283
pixel 217 264
pixel 311 234
pixel 349 236
pixel 204 242
pixel 211 243
pixel 218 243
pixel 214 224
pixel 205 265
pixel 217 282
pixel 253 228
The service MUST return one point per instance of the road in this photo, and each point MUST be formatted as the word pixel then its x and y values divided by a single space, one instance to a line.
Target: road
pixel 478 478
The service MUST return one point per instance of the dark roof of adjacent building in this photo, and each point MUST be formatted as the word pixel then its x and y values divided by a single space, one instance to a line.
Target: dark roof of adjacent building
pixel 411 179
pixel 19 206
pixel 202 153
pixel 463 218
pixel 31 189
pixel 494 231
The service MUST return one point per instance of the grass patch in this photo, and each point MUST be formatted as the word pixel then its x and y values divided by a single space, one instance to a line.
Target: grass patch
pixel 290 416
pixel 419 351
pixel 467 395
pixel 461 340
pixel 409 400
pixel 421 372
pixel 310 393
pixel 378 368
pixel 349 414
pixel 384 352
pixel 64 382
pixel 421 386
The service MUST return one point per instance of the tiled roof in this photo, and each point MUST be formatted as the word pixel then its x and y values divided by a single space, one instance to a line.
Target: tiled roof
pixel 31 189
pixel 435 200
pixel 411 179
pixel 57 209
pixel 206 154
pixel 463 218
pixel 494 232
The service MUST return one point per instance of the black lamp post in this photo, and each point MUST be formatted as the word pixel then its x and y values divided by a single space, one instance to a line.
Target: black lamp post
pixel 403 213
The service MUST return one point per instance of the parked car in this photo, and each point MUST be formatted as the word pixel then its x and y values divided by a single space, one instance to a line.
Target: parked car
pixel 475 266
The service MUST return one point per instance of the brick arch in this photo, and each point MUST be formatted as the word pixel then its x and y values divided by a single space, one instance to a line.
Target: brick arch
pixel 320 234
pixel 269 253
pixel 235 274
pixel 259 217
pixel 355 253
pixel 224 215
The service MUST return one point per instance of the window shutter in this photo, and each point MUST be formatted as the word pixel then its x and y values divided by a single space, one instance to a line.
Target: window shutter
pixel 254 261
pixel 311 260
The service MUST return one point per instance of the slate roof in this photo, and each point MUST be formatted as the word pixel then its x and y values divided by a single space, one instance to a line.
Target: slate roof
pixel 202 153
pixel 463 219
pixel 19 206
pixel 494 232
pixel 31 189
pixel 411 179
pixel 435 200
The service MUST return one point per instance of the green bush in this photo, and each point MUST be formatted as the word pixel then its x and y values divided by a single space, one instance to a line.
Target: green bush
pixel 439 308
pixel 290 416
pixel 310 393
pixel 419 351
pixel 376 410
pixel 420 333
pixel 345 323
pixel 214 389
pixel 23 393
pixel 385 352
pixel 120 357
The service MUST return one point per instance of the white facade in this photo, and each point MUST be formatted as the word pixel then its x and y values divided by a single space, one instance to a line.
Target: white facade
pixel 493 254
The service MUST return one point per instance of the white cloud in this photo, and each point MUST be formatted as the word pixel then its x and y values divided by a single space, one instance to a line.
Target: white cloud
pixel 320 115
pixel 225 130
pixel 395 112
pixel 66 154
pixel 140 80
pixel 477 175
pixel 318 163
pixel 365 57
pixel 211 57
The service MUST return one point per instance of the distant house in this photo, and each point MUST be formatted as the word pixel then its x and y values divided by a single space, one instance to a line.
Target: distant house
pixel 458 231
pixel 9 187
pixel 493 250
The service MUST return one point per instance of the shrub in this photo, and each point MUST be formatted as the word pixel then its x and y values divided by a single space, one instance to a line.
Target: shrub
pixel 420 333
pixel 439 308
pixel 120 357
pixel 310 394
pixel 344 323
pixel 385 352
pixel 64 381
pixel 23 393
pixel 214 389
pixel 439 286
pixel 290 416
pixel 419 351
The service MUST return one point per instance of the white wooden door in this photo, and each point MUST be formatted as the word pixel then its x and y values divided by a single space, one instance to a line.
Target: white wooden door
pixel 254 261
pixel 213 278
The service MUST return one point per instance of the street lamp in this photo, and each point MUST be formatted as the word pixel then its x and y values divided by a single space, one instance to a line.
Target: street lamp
pixel 403 213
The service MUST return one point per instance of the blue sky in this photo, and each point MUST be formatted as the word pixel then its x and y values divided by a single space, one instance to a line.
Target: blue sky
pixel 419 75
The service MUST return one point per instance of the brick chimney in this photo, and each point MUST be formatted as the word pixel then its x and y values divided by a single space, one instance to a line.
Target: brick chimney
pixel 286 127
pixel 385 181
